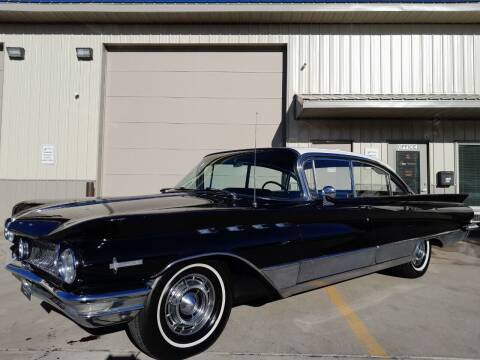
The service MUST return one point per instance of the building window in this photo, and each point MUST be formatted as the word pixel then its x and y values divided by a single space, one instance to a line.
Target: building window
pixel 469 172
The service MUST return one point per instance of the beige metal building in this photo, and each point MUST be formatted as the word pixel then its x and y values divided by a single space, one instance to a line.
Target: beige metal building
pixel 168 84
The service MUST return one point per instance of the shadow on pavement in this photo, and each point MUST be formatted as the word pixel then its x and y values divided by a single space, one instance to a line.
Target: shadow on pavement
pixel 474 238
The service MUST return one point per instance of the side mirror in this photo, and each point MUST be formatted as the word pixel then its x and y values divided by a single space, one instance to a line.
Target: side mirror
pixel 329 193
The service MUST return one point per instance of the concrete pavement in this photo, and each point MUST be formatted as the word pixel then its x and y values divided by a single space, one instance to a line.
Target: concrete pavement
pixel 434 317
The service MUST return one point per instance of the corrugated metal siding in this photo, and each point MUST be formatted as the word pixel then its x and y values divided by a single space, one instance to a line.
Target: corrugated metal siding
pixel 39 92
pixel 386 60
pixel 40 108
pixel 441 137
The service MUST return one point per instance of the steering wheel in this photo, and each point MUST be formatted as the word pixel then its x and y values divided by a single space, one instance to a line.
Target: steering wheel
pixel 275 183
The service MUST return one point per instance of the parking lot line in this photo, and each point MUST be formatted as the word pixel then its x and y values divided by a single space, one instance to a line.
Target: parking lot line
pixel 358 327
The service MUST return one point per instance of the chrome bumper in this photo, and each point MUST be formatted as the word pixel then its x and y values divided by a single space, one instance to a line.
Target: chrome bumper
pixel 90 311
pixel 472 226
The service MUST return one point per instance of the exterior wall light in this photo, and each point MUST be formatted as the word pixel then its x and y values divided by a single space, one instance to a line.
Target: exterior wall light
pixel 84 54
pixel 16 53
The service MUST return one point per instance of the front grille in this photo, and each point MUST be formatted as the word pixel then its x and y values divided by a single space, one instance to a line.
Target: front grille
pixel 476 218
pixel 43 256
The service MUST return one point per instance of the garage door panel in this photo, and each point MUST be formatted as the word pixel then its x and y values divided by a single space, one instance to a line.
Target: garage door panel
pixel 1 81
pixel 138 184
pixel 145 160
pixel 165 111
pixel 192 136
pixel 1 76
pixel 237 61
pixel 193 110
pixel 196 84
pixel 154 162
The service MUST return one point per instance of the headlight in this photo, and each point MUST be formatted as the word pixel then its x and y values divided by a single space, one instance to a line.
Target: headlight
pixel 8 235
pixel 23 249
pixel 66 266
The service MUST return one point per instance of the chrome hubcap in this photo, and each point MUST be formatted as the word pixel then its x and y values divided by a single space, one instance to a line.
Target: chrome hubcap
pixel 189 304
pixel 420 254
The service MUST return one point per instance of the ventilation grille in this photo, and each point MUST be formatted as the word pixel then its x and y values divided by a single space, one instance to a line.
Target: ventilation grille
pixel 44 257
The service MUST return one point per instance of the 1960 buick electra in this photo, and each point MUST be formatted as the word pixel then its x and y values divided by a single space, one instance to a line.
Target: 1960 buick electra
pixel 243 227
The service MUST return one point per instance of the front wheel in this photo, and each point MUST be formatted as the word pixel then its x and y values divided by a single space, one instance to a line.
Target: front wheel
pixel 185 312
pixel 418 264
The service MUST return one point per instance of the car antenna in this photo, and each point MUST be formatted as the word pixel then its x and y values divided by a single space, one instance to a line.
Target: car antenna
pixel 254 204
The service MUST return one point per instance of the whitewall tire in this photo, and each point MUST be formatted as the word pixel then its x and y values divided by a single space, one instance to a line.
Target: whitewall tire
pixel 418 264
pixel 185 312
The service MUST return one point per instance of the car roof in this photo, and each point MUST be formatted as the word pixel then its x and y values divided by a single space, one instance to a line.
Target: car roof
pixel 313 151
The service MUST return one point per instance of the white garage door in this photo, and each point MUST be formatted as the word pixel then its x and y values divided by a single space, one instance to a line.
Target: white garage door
pixel 166 109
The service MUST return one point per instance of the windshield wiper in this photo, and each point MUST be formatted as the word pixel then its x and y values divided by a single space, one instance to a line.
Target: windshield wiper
pixel 233 195
pixel 172 189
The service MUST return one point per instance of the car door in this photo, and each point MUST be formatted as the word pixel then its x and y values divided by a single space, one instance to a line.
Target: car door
pixel 335 236
pixel 390 216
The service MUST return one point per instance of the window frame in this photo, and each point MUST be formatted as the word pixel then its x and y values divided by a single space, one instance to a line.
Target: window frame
pixel 399 183
pixel 315 157
pixel 286 179
pixel 350 159
pixel 376 167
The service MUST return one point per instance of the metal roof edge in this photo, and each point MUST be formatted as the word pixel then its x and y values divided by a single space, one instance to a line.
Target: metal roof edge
pixel 316 12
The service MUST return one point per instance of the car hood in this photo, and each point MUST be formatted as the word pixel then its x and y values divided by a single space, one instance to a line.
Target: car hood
pixel 45 217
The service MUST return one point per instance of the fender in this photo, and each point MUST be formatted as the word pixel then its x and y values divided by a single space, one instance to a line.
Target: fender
pixel 259 272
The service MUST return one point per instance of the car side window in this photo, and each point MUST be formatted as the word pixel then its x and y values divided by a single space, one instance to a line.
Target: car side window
pixel 396 188
pixel 370 180
pixel 336 173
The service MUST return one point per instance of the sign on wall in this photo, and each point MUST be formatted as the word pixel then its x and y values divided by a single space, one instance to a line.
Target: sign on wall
pixel 407 147
pixel 47 156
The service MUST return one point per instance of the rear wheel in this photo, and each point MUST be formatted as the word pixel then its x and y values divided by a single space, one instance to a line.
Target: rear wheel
pixel 419 263
pixel 185 312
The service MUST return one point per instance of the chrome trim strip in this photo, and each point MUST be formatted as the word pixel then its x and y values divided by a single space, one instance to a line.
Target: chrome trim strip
pixel 89 310
pixel 329 280
pixel 235 228
pixel 283 276
pixel 115 265
pixel 326 269
pixel 394 250
pixel 329 265
pixel 260 226
pixel 206 255
pixel 472 226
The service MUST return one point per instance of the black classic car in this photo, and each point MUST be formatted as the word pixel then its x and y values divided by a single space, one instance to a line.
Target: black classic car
pixel 243 227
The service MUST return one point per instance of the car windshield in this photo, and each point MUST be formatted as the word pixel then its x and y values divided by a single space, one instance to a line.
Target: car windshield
pixel 274 176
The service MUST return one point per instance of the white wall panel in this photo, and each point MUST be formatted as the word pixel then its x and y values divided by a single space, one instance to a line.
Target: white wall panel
pixel 39 105
pixel 396 54
pixel 427 65
pixel 417 64
pixel 376 65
